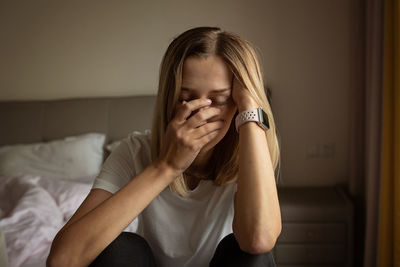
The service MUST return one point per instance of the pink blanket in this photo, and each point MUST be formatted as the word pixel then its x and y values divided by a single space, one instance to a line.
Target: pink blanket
pixel 32 210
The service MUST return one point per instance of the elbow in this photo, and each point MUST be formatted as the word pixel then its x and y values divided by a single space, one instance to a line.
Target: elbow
pixel 259 243
pixel 51 261
pixel 59 257
pixel 59 261
pixel 257 246
pixel 54 261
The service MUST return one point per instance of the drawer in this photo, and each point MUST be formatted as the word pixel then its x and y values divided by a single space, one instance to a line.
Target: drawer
pixel 310 254
pixel 313 233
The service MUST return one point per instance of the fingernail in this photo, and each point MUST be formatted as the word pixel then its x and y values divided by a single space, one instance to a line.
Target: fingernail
pixel 208 100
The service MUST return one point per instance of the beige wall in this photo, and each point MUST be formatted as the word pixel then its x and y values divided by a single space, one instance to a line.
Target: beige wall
pixel 64 49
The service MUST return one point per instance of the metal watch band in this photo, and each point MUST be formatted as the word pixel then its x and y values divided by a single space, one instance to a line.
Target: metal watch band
pixel 245 116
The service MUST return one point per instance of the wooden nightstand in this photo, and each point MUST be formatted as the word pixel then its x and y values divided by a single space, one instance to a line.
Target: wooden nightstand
pixel 317 227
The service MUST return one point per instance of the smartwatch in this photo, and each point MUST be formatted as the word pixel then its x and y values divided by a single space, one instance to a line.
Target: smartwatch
pixel 257 114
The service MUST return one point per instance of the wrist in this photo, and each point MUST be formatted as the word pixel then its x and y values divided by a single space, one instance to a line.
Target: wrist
pixel 246 104
pixel 164 168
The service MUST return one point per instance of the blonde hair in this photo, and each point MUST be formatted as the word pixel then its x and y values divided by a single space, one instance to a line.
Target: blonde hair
pixel 242 59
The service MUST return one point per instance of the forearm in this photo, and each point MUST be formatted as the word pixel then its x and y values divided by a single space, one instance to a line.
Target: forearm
pixel 257 220
pixel 84 239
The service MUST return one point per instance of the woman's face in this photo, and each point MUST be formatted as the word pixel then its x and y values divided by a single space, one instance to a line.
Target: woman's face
pixel 209 78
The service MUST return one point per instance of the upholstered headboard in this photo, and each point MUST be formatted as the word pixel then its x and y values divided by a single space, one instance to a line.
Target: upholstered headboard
pixel 40 121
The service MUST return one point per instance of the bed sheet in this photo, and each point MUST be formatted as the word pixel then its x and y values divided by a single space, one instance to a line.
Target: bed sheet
pixel 32 210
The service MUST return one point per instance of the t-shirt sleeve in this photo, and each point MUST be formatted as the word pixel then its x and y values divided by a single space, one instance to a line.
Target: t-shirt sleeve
pixel 127 160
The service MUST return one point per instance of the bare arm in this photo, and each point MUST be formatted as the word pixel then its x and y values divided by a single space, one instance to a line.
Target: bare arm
pixel 257 219
pixel 83 240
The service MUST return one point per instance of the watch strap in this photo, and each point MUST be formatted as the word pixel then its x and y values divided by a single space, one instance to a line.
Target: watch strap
pixel 246 116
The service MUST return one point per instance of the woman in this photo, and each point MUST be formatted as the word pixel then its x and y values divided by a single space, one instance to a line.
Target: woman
pixel 197 198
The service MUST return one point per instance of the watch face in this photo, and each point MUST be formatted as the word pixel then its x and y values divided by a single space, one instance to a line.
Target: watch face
pixel 263 118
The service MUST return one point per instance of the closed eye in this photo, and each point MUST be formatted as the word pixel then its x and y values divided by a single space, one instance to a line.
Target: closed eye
pixel 220 103
pixel 214 102
pixel 225 102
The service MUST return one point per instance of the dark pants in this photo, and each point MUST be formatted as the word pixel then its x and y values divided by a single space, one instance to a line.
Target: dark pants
pixel 130 249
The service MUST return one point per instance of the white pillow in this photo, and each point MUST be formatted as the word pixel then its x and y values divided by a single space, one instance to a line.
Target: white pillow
pixel 68 158
pixel 113 145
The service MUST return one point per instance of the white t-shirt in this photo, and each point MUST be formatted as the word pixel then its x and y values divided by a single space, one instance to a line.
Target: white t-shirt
pixel 180 231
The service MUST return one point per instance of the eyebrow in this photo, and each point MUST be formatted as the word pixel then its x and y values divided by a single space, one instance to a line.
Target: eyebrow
pixel 217 91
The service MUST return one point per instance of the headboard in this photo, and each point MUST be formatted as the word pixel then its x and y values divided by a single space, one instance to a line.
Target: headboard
pixel 40 121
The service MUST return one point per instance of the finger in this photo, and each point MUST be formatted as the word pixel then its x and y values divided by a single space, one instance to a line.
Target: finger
pixel 207 138
pixel 201 117
pixel 187 108
pixel 207 128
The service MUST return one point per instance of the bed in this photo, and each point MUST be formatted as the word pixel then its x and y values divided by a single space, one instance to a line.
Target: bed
pixel 50 153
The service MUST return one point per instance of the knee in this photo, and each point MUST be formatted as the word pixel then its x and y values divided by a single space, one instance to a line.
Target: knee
pixel 228 253
pixel 127 241
pixel 230 242
pixel 130 238
pixel 126 248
